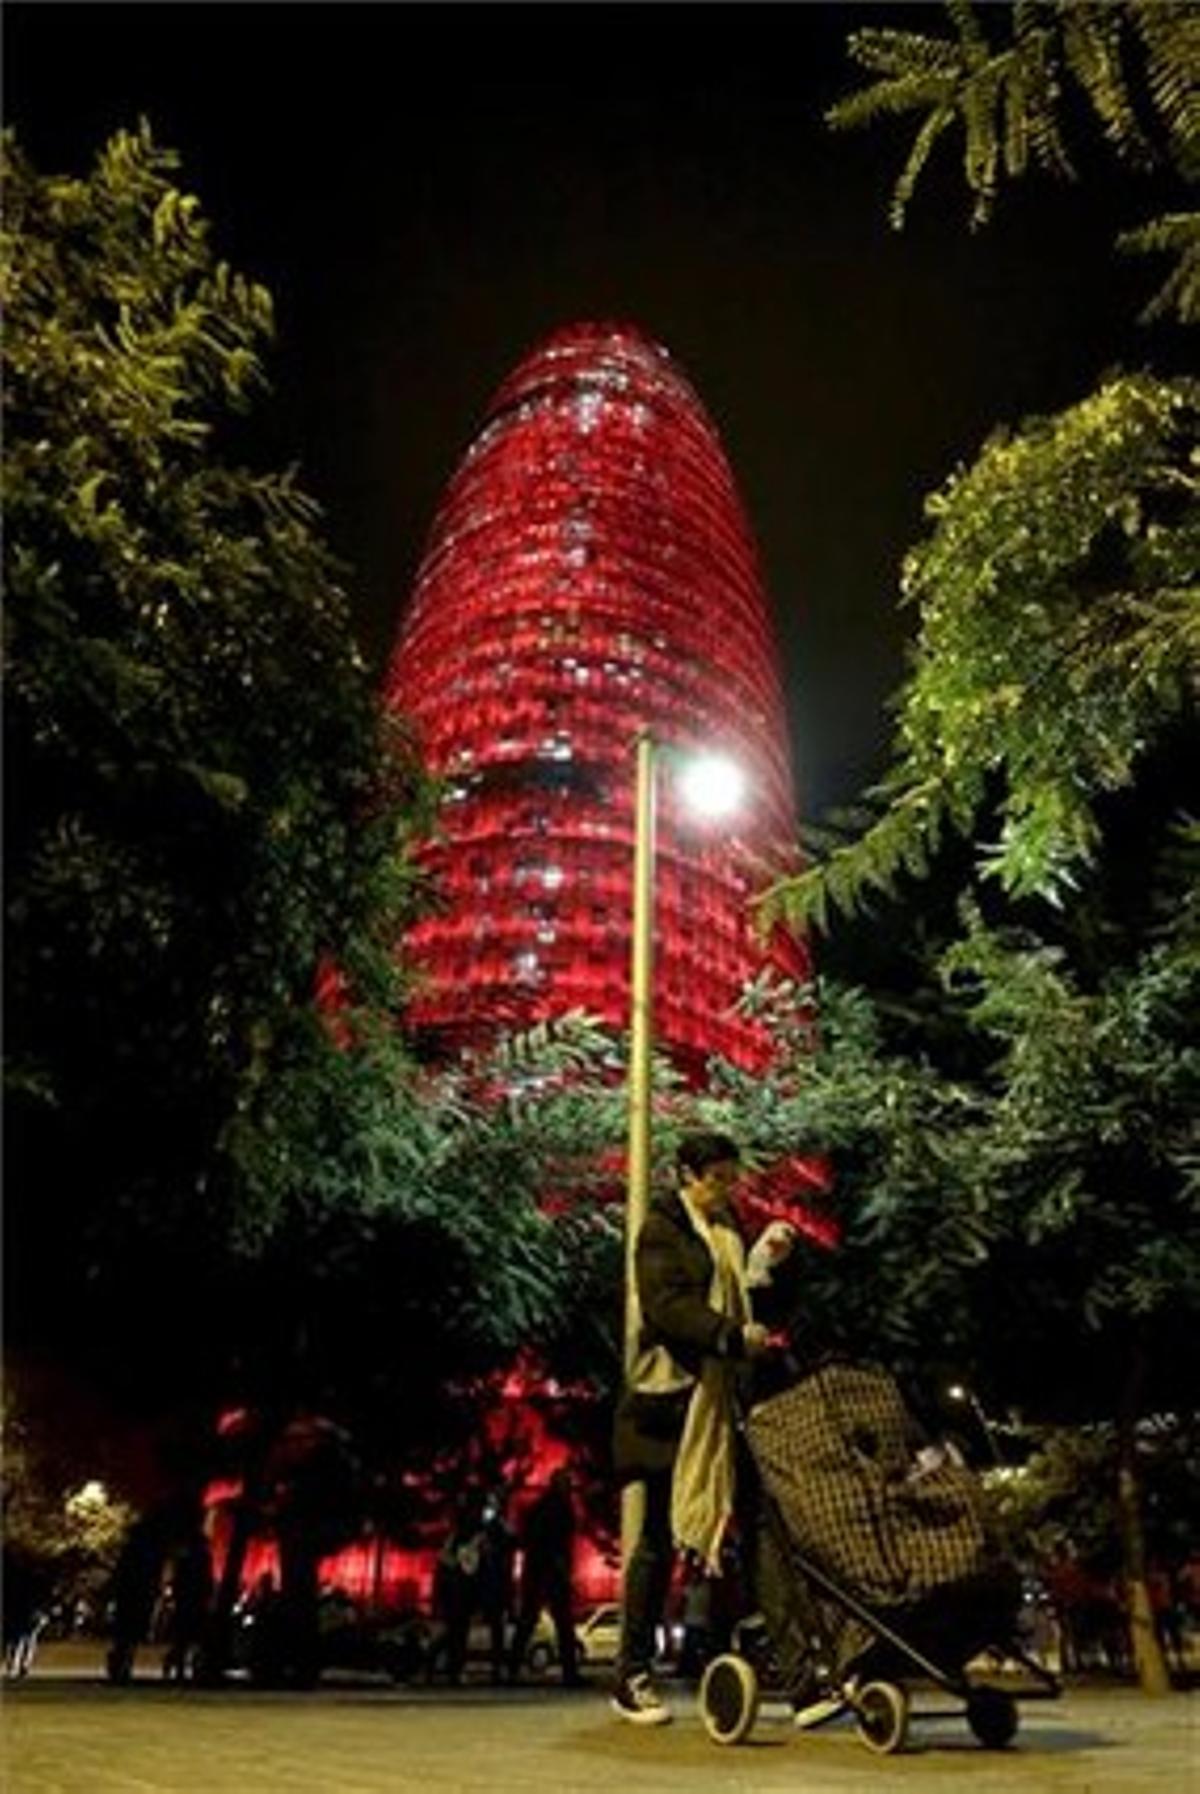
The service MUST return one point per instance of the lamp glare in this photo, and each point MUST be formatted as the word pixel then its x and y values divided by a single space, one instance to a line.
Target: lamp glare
pixel 712 785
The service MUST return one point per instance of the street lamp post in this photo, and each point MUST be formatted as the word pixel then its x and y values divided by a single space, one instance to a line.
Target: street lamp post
pixel 641 1051
pixel 712 785
pixel 641 1024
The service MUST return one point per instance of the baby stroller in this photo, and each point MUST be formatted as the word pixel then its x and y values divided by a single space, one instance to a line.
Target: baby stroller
pixel 874 1568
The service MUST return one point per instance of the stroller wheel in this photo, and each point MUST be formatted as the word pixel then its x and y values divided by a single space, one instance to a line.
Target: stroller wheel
pixel 992 1716
pixel 729 1699
pixel 882 1710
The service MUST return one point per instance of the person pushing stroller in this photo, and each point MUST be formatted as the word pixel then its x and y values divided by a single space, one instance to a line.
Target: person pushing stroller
pixel 674 1429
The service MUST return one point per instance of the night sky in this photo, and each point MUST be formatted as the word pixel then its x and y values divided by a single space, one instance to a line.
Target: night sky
pixel 429 189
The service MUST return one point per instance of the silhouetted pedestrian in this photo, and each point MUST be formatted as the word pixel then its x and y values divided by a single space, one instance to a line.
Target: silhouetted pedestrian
pixel 28 1591
pixel 135 1587
pixel 495 1583
pixel 191 1587
pixel 548 1546
pixel 456 1591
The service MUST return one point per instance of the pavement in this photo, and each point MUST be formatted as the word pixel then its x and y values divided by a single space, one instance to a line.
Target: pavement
pixel 64 1730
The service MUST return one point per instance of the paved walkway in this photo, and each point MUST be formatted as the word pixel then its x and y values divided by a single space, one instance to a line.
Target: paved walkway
pixel 69 1733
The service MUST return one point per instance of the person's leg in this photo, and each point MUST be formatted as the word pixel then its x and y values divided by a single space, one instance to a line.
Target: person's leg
pixel 647 1581
pixel 527 1618
pixel 436 1650
pixel 456 1639
pixel 559 1603
pixel 494 1615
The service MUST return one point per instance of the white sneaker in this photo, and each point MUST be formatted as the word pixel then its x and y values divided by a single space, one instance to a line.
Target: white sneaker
pixel 637 1700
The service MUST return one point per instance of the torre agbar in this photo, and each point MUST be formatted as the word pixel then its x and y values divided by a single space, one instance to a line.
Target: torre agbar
pixel 589 575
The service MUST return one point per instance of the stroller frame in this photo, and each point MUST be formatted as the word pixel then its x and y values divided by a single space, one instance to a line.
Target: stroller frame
pixel 729 1691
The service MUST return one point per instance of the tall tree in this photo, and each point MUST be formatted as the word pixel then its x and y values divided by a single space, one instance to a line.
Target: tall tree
pixel 218 1187
pixel 200 802
pixel 1057 644
pixel 1048 721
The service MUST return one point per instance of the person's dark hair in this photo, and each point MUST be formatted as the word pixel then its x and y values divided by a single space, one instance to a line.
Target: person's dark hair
pixel 700 1150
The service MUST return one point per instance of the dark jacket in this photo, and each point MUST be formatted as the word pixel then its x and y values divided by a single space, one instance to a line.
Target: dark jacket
pixel 548 1534
pixel 674 1270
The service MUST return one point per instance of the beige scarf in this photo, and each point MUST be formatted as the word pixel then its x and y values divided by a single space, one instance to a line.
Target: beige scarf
pixel 703 1479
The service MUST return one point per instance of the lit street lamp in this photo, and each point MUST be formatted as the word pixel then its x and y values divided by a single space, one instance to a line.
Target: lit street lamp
pixel 958 1392
pixel 711 785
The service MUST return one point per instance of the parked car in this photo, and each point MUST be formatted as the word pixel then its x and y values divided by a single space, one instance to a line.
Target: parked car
pixel 598 1635
pixel 542 1653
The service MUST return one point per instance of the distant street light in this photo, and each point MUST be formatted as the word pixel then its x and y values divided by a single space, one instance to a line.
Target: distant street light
pixel 959 1392
pixel 711 785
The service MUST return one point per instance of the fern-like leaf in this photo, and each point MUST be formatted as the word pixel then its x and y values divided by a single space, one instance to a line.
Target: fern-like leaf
pixel 1177 234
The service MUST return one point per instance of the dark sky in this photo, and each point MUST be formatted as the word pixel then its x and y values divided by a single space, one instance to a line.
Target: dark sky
pixel 429 189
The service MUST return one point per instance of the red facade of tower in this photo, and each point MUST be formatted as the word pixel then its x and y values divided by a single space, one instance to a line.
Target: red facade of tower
pixel 590 573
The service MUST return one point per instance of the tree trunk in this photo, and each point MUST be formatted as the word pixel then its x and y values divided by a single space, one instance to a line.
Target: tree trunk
pixel 1147 1652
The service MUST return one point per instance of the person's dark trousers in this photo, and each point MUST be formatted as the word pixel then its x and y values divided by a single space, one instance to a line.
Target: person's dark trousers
pixel 494 1616
pixel 558 1601
pixel 456 1641
pixel 528 1609
pixel 298 1595
pixel 647 1580
pixel 547 1588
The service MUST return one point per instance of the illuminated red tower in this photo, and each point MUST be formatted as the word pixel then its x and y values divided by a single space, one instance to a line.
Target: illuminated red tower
pixel 590 573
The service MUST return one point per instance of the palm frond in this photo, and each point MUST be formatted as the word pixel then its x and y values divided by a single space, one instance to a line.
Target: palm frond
pixel 1031 95
pixel 1178 234
pixel 1170 35
pixel 1142 56
pixel 1092 51
pixel 938 121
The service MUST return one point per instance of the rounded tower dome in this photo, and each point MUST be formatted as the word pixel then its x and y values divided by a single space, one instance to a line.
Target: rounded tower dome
pixel 589 575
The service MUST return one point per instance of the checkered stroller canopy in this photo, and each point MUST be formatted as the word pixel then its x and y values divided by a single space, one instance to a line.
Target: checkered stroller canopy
pixel 838 1453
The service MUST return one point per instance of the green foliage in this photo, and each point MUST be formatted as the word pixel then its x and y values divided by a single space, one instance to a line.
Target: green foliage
pixel 1016 1166
pixel 1001 75
pixel 1176 234
pixel 1065 1491
pixel 202 801
pixel 1058 641
pixel 1022 1208
pixel 66 1530
pixel 431 1222
pixel 1093 1137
